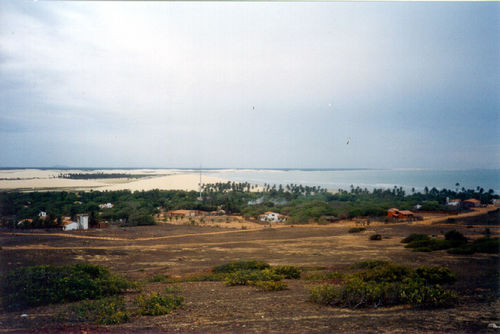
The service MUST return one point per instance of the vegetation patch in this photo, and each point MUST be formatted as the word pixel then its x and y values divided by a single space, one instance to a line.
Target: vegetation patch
pixel 288 272
pixel 369 264
pixel 41 285
pixel 271 285
pixel 376 237
pixel 415 237
pixel 386 285
pixel 157 304
pixel 481 245
pixel 455 242
pixel 250 277
pixel 241 265
pixel 356 229
pixel 106 311
pixel 160 278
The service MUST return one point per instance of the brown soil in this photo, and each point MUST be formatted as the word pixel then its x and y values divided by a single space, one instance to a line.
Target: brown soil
pixel 178 250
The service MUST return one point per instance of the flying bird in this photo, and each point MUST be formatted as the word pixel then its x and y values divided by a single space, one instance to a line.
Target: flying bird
pixel 348 140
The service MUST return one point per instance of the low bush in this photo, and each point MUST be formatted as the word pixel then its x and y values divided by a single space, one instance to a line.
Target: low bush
pixel 389 284
pixel 158 278
pixel 415 237
pixel 455 237
pixel 106 311
pixel 385 273
pixel 429 245
pixel 271 285
pixel 369 264
pixel 41 285
pixel 435 275
pixel 288 272
pixel 481 245
pixel 241 265
pixel 356 229
pixel 376 237
pixel 157 304
pixel 487 245
pixel 249 277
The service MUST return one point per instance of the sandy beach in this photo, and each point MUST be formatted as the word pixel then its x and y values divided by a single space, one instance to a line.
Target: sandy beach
pixel 36 179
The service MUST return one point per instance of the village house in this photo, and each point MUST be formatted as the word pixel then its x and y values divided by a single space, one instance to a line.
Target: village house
pixel 186 213
pixel 471 203
pixel 272 217
pixel 456 203
pixel 42 214
pixel 106 206
pixel 400 214
pixel 495 202
pixel 81 223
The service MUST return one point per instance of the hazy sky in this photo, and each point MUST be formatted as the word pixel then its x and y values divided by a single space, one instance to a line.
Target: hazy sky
pixel 239 84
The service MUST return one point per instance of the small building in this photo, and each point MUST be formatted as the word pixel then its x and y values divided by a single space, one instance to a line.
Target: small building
pixel 495 202
pixel 417 207
pixel 273 217
pixel 471 203
pixel 81 223
pixel 186 213
pixel 42 214
pixel 106 206
pixel 400 214
pixel 453 202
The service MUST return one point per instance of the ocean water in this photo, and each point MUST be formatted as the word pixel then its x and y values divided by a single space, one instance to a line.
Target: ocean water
pixel 370 179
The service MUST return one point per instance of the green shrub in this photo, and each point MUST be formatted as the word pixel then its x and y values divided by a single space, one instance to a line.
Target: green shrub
pixel 384 273
pixel 288 272
pixel 158 278
pixel 376 237
pixel 157 304
pixel 435 275
pixel 106 311
pixel 386 285
pixel 415 237
pixel 357 293
pixel 487 245
pixel 356 229
pixel 427 296
pixel 249 277
pixel 241 265
pixel 369 264
pixel 429 245
pixel 41 285
pixel 455 237
pixel 464 250
pixel 271 285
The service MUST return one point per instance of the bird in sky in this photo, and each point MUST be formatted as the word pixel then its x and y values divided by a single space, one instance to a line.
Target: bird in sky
pixel 348 141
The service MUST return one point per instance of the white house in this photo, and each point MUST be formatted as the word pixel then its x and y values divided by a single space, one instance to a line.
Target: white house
pixel 106 206
pixel 82 223
pixel 453 202
pixel 272 217
pixel 42 214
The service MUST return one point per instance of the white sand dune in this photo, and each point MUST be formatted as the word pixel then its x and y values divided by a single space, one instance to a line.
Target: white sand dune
pixel 177 181
pixel 36 179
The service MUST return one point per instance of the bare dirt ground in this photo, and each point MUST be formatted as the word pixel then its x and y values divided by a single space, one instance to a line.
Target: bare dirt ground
pixel 178 250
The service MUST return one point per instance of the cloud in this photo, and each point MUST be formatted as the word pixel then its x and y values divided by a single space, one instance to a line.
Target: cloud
pixel 160 83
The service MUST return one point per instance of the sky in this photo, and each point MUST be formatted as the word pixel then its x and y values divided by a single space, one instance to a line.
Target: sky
pixel 250 84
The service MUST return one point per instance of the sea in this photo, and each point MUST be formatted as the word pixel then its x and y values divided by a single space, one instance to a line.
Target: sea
pixel 335 179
